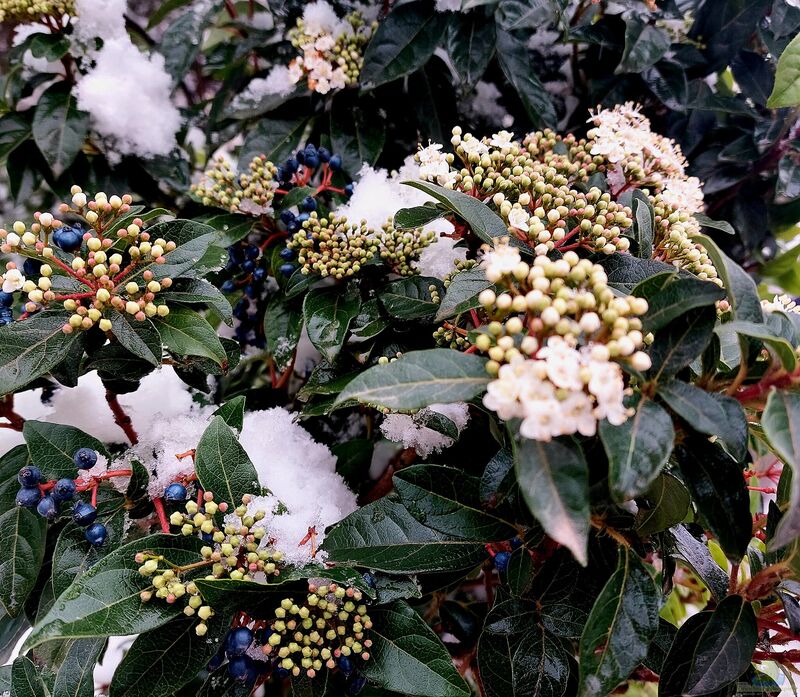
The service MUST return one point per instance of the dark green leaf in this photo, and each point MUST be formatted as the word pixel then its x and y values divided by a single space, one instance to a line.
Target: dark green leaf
pixel 645 45
pixel 163 660
pixel 105 600
pixel 59 128
pixel 75 676
pixel 15 129
pixel 554 480
pixel 643 224
pixel 357 133
pixel 516 657
pixel 638 449
pixel 722 225
pixel 22 540
pixel 677 298
pixel 520 572
pixel 232 412
pixel 140 338
pixel 626 271
pixel 408 657
pixel 410 218
pixel 623 622
pixel 697 555
pixel 448 501
pixel 383 535
pixel 781 424
pixel 222 465
pixel 418 379
pixel 709 413
pixel 668 504
pixel 410 298
pixel 369 322
pixel 186 333
pixel 52 447
pixel 181 41
pixel 764 333
pixel 678 343
pixel 514 59
pixel 194 291
pixel 462 293
pixel 403 42
pixel 719 491
pixel 25 680
pixel 274 139
pixel 470 44
pixel 327 313
pixel 282 328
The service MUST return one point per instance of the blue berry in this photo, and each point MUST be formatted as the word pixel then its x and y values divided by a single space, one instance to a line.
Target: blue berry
pixel 85 458
pixel 287 254
pixel 356 684
pixel 235 253
pixel 64 490
pixel 280 174
pixel 280 672
pixel 31 267
pixel 324 154
pixel 300 156
pixel 259 274
pixel 241 668
pixel 312 161
pixel 30 475
pixel 84 513
pixel 229 286
pixel 216 661
pixel 6 299
pixel 303 217
pixel 248 266
pixel 293 226
pixel 251 252
pixel 28 496
pixel 263 635
pixel 501 561
pixel 345 665
pixel 96 534
pixel 287 269
pixel 207 536
pixel 238 641
pixel 336 162
pixel 348 190
pixel 309 204
pixel 175 493
pixel 291 165
pixel 311 149
pixel 287 217
pixel 48 508
pixel 68 238
pixel 516 542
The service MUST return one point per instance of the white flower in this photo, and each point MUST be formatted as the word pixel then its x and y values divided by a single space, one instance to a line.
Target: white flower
pixel 433 165
pixel 501 394
pixel 324 43
pixel 780 303
pixel 13 280
pixel 501 139
pixel 295 71
pixel 683 194
pixel 474 145
pixel 518 218
pixel 501 260
pixel 563 364
pixel 577 414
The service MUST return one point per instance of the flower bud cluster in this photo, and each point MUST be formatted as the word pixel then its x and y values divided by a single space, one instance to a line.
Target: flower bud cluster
pixel 459 266
pixel 673 243
pixel 248 192
pixel 339 248
pixel 555 338
pixel 329 629
pixel 23 11
pixel 780 303
pixel 90 273
pixel 331 57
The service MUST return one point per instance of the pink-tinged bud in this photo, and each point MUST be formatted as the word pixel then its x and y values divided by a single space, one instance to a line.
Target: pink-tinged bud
pixel 37 215
pixel 87 236
pixel 92 205
pixel 148 275
pixel 149 297
pixel 49 295
pixel 246 499
pixel 11 265
pixel 91 261
pixel 124 208
pixel 139 316
pixel 57 224
pixel 80 272
pixel 63 208
pixel 138 221
pixel 127 199
pixel 365 656
pixel 311 673
pixel 107 243
pixel 337 653
pixel 39 246
pixel 171 598
pixel 122 233
pixel 208 496
pixel 331 664
pixel 104 278
pixel 5 248
pixel 160 260
pixel 36 228
pixel 223 507
pixel 114 268
pixel 253 567
pixel 107 207
pixel 166 282
pixel 139 558
pixel 66 329
pixel 30 307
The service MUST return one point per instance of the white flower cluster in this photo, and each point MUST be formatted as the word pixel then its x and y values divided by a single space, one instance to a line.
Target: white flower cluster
pixel 563 390
pixel 624 137
pixel 434 165
pixel 779 303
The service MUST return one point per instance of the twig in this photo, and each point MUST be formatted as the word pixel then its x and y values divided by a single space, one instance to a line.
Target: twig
pixel 121 418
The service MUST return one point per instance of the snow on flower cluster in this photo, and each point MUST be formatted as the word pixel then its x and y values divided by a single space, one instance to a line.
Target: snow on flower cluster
pixel 564 390
pixel 780 303
pixel 624 137
pixel 127 93
pixel 413 431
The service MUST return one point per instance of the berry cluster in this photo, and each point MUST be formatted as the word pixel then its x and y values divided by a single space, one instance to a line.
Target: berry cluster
pixel 249 274
pixel 48 497
pixel 22 11
pixel 248 192
pixel 332 52
pixel 338 248
pixel 93 274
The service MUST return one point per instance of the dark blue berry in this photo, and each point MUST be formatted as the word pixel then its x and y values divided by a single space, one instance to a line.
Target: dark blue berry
pixel 6 312
pixel 5 320
pixel 31 267
pixel 229 286
pixel 241 668
pixel 309 203
pixel 248 266
pixel 287 269
pixel 96 534
pixel 240 309
pixel 85 458
pixel 84 513
pixel 516 542
pixel 30 475
pixel 64 490
pixel 175 493
pixel 300 156
pixel 263 635
pixel 501 561
pixel 259 274
pixel 287 254
pixel 345 665
pixel 238 641
pixel 287 217
pixel 28 496
pixel 48 508
pixel 6 299
pixel 293 226
pixel 356 684
pixel 235 253
pixel 336 162
pixel 310 149
pixel 348 190
pixel 216 661
pixel 250 290
pixel 303 217
pixel 291 165
pixel 251 251
pixel 68 238
pixel 207 536
pixel 370 580
pixel 312 161
pixel 280 174
pixel 324 154
pixel 280 672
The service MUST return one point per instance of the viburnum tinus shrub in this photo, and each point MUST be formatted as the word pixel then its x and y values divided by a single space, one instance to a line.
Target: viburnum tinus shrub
pixel 399 348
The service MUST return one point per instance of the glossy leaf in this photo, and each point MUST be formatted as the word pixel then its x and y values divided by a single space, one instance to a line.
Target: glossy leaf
pixel 223 466
pixel 782 348
pixel 22 542
pixel 683 295
pixel 327 313
pixel 187 333
pixel 52 447
pixel 697 555
pixel 195 291
pixel 358 132
pixel 645 45
pixel 554 480
pixel 232 412
pixel 410 298
pixel 140 338
pixel 59 127
pixel 787 77
pixel 512 54
pixel 470 45
pixel 678 343
pixel 620 627
pixel 282 328
pixel 637 449
pixel 276 139
pixel 407 656
pixel 75 676
pixel 410 218
pixel 384 536
pixel 462 293
pixel 419 379
pixel 668 504
pixel 25 679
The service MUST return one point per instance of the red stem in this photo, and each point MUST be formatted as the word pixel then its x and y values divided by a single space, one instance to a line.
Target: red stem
pixel 158 504
pixel 121 418
pixel 94 495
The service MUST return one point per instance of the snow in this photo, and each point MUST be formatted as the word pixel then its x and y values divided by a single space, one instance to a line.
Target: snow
pixel 405 429
pixel 448 5
pixel 485 105
pixel 29 61
pixel 127 95
pixel 320 18
pixel 438 259
pixel 301 474
pixel 104 19
pixel 279 81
